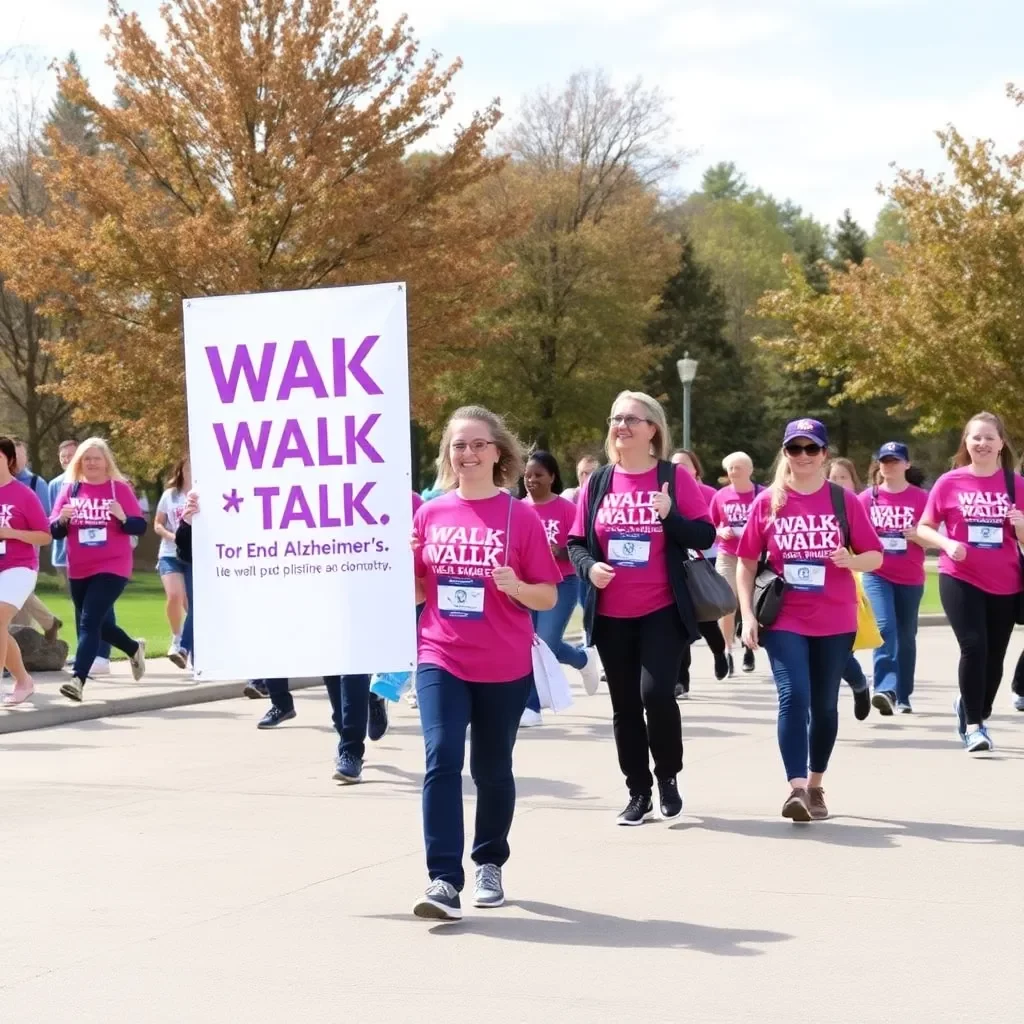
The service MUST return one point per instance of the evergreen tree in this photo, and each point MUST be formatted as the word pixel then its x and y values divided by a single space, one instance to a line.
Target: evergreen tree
pixel 70 119
pixel 850 242
pixel 723 181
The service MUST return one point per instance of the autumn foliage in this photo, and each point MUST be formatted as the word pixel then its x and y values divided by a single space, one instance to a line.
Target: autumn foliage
pixel 937 324
pixel 266 146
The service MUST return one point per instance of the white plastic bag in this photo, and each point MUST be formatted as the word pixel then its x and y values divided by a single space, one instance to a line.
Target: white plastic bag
pixel 552 686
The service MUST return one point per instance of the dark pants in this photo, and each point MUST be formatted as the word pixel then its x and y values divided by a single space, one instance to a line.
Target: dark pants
pixel 895 606
pixel 448 706
pixel 104 649
pixel 807 671
pixel 187 630
pixel 94 598
pixel 854 674
pixel 350 701
pixel 641 660
pixel 982 623
pixel 712 633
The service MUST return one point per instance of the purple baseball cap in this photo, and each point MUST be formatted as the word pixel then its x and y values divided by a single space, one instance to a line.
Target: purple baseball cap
pixel 814 429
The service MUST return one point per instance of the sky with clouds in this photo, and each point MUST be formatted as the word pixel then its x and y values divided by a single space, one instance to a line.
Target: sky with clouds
pixel 813 99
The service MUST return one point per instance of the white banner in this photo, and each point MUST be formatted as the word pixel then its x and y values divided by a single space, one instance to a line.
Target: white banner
pixel 298 406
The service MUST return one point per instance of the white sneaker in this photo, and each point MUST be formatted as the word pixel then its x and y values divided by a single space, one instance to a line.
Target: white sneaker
pixel 138 660
pixel 177 656
pixel 530 719
pixel 100 667
pixel 591 673
pixel 410 699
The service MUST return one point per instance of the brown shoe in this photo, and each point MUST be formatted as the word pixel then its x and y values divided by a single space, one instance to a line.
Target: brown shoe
pixel 796 807
pixel 816 802
pixel 51 633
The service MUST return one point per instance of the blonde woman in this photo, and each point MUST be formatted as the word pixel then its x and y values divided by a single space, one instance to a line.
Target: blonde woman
pixel 483 564
pixel 98 514
pixel 730 510
pixel 635 521
pixel 796 523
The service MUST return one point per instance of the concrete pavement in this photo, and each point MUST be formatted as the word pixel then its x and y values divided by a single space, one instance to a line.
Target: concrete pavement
pixel 180 865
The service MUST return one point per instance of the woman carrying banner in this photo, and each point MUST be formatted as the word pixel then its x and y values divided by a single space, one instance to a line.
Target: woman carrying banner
pixel 98 514
pixel 483 564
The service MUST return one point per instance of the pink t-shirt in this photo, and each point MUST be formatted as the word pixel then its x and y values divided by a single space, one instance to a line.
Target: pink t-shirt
pixel 557 516
pixel 731 508
pixel 632 541
pixel 974 509
pixel 96 540
pixel 820 599
pixel 891 514
pixel 20 509
pixel 469 627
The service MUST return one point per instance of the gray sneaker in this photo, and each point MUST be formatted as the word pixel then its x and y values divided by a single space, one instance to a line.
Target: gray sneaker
pixel 488 891
pixel 439 903
pixel 138 660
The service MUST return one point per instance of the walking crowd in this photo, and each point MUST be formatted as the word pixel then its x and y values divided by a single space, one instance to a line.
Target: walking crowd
pixel 809 567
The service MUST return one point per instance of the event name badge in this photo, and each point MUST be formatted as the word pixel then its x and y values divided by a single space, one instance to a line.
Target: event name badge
pixel 3 547
pixel 893 542
pixel 805 575
pixel 459 598
pixel 92 536
pixel 629 550
pixel 985 535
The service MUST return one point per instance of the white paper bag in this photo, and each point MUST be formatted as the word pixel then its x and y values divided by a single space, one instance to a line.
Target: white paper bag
pixel 552 686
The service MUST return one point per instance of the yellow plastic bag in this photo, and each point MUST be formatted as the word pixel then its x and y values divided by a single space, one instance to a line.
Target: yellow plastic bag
pixel 868 636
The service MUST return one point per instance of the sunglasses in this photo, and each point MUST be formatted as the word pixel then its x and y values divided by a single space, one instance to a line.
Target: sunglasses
pixel 803 449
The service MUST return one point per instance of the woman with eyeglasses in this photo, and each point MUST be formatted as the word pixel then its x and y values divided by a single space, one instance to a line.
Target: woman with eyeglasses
pixel 895 589
pixel 483 564
pixel 635 521
pixel 796 523
pixel 980 503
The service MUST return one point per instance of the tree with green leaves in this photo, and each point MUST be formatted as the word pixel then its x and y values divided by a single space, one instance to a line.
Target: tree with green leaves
pixel 850 242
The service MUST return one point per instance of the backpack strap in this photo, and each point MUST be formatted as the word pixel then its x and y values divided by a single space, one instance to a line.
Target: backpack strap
pixel 839 507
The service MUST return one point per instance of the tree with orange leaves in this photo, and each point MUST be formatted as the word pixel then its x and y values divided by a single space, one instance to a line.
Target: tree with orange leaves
pixel 266 146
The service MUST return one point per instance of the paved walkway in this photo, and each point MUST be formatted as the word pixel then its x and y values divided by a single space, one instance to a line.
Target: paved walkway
pixel 180 865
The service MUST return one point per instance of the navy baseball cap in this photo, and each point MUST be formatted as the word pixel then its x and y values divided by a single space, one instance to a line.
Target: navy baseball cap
pixel 893 450
pixel 814 429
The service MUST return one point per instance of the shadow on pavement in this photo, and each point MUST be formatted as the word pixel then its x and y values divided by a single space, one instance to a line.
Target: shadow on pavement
pixel 881 834
pixel 567 926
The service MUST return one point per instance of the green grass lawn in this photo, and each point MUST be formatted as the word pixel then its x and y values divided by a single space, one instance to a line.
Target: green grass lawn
pixel 140 610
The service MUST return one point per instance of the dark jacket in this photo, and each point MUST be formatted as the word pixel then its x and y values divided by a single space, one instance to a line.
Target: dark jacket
pixel 681 535
pixel 183 539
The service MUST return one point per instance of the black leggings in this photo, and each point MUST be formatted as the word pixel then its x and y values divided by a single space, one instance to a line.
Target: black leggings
pixel 982 623
pixel 716 644
pixel 641 660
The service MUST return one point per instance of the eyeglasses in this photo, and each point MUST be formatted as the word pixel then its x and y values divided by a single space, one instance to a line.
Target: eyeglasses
pixel 626 421
pixel 476 447
pixel 803 449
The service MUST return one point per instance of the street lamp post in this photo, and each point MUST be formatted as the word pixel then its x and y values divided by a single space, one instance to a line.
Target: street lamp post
pixel 687 368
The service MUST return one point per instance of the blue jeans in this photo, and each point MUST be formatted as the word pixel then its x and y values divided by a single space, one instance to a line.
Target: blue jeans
pixel 895 606
pixel 550 626
pixel 350 703
pixel 807 671
pixel 94 599
pixel 854 674
pixel 448 706
pixel 186 630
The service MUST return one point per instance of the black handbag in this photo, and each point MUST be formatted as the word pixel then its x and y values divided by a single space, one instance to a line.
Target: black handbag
pixel 1011 493
pixel 769 586
pixel 711 594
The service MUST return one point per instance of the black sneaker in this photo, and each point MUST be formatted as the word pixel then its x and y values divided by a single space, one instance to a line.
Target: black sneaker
pixel 377 723
pixel 274 717
pixel 721 666
pixel 669 798
pixel 682 692
pixel 884 702
pixel 732 667
pixel 439 903
pixel 348 769
pixel 748 660
pixel 861 704
pixel 637 811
